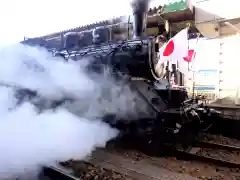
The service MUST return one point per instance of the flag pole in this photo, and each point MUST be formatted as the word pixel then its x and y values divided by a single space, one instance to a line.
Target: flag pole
pixel 168 71
pixel 193 67
pixel 188 49
pixel 167 68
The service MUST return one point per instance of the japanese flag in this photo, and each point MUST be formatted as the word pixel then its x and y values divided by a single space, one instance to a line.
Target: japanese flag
pixel 176 48
pixel 184 62
pixel 187 62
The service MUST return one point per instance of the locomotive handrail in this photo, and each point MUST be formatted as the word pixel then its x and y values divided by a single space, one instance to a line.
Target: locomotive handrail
pixel 109 43
pixel 109 47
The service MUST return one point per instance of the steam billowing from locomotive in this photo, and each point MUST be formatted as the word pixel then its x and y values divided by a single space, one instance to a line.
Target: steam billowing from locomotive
pixel 140 9
pixel 53 108
pixel 30 136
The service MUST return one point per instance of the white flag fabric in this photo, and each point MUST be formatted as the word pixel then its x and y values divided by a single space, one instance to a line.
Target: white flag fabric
pixel 176 48
pixel 185 63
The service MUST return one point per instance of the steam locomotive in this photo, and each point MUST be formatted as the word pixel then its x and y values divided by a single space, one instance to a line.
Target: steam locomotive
pixel 171 116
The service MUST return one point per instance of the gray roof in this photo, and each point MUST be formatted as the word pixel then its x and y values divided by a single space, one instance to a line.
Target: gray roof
pixel 96 24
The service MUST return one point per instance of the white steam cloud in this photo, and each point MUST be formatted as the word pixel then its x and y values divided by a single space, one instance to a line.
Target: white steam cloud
pixel 28 138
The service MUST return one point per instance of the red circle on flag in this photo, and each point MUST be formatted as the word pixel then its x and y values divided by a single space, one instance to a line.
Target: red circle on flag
pixel 169 48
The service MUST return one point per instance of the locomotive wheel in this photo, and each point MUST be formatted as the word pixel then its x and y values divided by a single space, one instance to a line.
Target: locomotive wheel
pixel 187 135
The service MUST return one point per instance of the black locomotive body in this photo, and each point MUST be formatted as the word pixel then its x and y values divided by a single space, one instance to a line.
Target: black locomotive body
pixel 171 116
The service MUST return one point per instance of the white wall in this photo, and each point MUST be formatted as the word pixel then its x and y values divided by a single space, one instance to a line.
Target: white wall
pixel 217 63
pixel 207 10
pixel 205 64
pixel 207 52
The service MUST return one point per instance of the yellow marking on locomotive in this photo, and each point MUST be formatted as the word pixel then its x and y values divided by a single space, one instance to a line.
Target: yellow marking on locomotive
pixel 137 78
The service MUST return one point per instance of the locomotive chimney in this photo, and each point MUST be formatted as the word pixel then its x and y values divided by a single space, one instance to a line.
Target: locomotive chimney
pixel 140 10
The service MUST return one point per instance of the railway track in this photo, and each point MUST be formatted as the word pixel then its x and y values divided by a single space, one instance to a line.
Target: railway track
pixel 211 154
pixel 122 167
pixel 215 149
pixel 214 157
pixel 48 173
pixel 86 170
pixel 134 165
pixel 56 173
pixel 116 163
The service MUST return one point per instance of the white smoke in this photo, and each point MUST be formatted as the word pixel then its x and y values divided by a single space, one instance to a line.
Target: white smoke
pixel 110 97
pixel 29 139
pixel 36 69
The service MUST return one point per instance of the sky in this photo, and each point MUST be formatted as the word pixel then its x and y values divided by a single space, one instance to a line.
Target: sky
pixel 32 18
